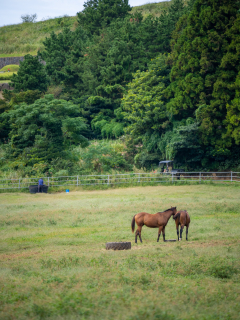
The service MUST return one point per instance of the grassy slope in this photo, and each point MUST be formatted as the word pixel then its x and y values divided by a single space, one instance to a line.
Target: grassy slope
pixel 11 67
pixel 54 264
pixel 20 39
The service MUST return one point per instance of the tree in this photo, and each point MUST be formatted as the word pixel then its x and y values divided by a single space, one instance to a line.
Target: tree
pixel 144 108
pixel 58 48
pixel 31 75
pixel 29 17
pixel 44 130
pixel 100 13
pixel 202 81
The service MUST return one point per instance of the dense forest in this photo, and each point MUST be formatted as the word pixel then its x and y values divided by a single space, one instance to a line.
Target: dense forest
pixel 164 87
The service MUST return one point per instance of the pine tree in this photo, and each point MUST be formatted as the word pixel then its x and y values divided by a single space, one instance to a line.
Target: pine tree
pixel 31 75
pixel 201 83
pixel 100 13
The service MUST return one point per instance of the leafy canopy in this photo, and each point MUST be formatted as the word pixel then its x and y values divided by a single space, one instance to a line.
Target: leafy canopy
pixel 43 130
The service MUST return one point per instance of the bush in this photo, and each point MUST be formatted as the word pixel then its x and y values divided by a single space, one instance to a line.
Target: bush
pixel 6 75
pixel 103 157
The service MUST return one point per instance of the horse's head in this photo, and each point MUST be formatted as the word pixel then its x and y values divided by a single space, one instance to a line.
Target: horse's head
pixel 174 210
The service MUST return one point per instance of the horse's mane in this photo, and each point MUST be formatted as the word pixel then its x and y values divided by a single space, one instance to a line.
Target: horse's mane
pixel 167 210
pixel 170 209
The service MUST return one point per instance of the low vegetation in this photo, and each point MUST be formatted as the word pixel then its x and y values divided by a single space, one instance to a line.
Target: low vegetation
pixel 53 262
pixel 6 75
pixel 10 68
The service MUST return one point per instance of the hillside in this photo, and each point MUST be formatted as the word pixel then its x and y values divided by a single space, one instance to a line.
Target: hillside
pixel 20 39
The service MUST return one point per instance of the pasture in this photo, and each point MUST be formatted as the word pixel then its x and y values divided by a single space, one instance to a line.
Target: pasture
pixel 53 262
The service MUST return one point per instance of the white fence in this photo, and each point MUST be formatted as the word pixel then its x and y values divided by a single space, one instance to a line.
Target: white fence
pixel 125 178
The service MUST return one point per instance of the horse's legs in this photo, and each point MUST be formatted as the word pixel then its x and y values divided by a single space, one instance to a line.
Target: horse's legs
pixel 187 233
pixel 181 231
pixel 138 233
pixel 163 233
pixel 178 231
pixel 159 232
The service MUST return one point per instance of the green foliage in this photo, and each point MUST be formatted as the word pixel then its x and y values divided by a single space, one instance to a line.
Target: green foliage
pixel 31 75
pixel 103 157
pixel 144 107
pixel 183 145
pixel 29 97
pixel 6 75
pixel 204 68
pixel 57 49
pixel 100 13
pixel 98 68
pixel 42 131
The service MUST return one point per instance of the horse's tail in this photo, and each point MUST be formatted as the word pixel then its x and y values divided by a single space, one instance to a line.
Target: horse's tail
pixel 176 215
pixel 133 224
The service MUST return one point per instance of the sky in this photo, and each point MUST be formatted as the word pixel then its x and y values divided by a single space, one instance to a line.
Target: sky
pixel 11 10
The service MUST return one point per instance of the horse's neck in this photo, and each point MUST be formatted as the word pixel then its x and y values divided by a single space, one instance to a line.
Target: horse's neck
pixel 168 214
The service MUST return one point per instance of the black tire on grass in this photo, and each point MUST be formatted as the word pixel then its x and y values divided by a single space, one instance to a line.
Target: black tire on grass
pixel 118 245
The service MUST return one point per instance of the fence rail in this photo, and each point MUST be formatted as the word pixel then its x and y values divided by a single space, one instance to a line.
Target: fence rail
pixel 124 178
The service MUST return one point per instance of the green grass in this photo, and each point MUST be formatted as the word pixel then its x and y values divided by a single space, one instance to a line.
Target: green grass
pixel 20 39
pixel 11 67
pixel 54 264
pixel 154 9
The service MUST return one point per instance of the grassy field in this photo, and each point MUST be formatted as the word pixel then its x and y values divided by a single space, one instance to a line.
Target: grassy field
pixel 54 264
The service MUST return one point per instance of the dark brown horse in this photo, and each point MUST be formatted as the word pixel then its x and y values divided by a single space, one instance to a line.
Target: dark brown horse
pixel 157 220
pixel 182 219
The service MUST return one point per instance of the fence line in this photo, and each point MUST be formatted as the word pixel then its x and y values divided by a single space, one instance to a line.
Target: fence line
pixel 121 178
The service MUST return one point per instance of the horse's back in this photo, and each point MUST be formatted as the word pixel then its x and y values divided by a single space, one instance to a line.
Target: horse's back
pixel 147 219
pixel 185 218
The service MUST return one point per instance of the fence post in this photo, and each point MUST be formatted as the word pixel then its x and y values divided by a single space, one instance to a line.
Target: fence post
pixel 108 180
pixel 77 180
pixel 48 181
pixel 19 183
pixel 231 176
pixel 199 177
pixel 139 177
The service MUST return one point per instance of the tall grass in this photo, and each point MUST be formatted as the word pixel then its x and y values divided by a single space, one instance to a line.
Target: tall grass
pixel 53 262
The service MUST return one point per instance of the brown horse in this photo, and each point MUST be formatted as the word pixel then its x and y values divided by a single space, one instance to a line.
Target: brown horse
pixel 157 220
pixel 182 219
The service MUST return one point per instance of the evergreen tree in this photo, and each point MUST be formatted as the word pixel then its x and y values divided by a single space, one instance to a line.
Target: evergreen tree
pixel 201 83
pixel 100 13
pixel 31 75
pixel 58 48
